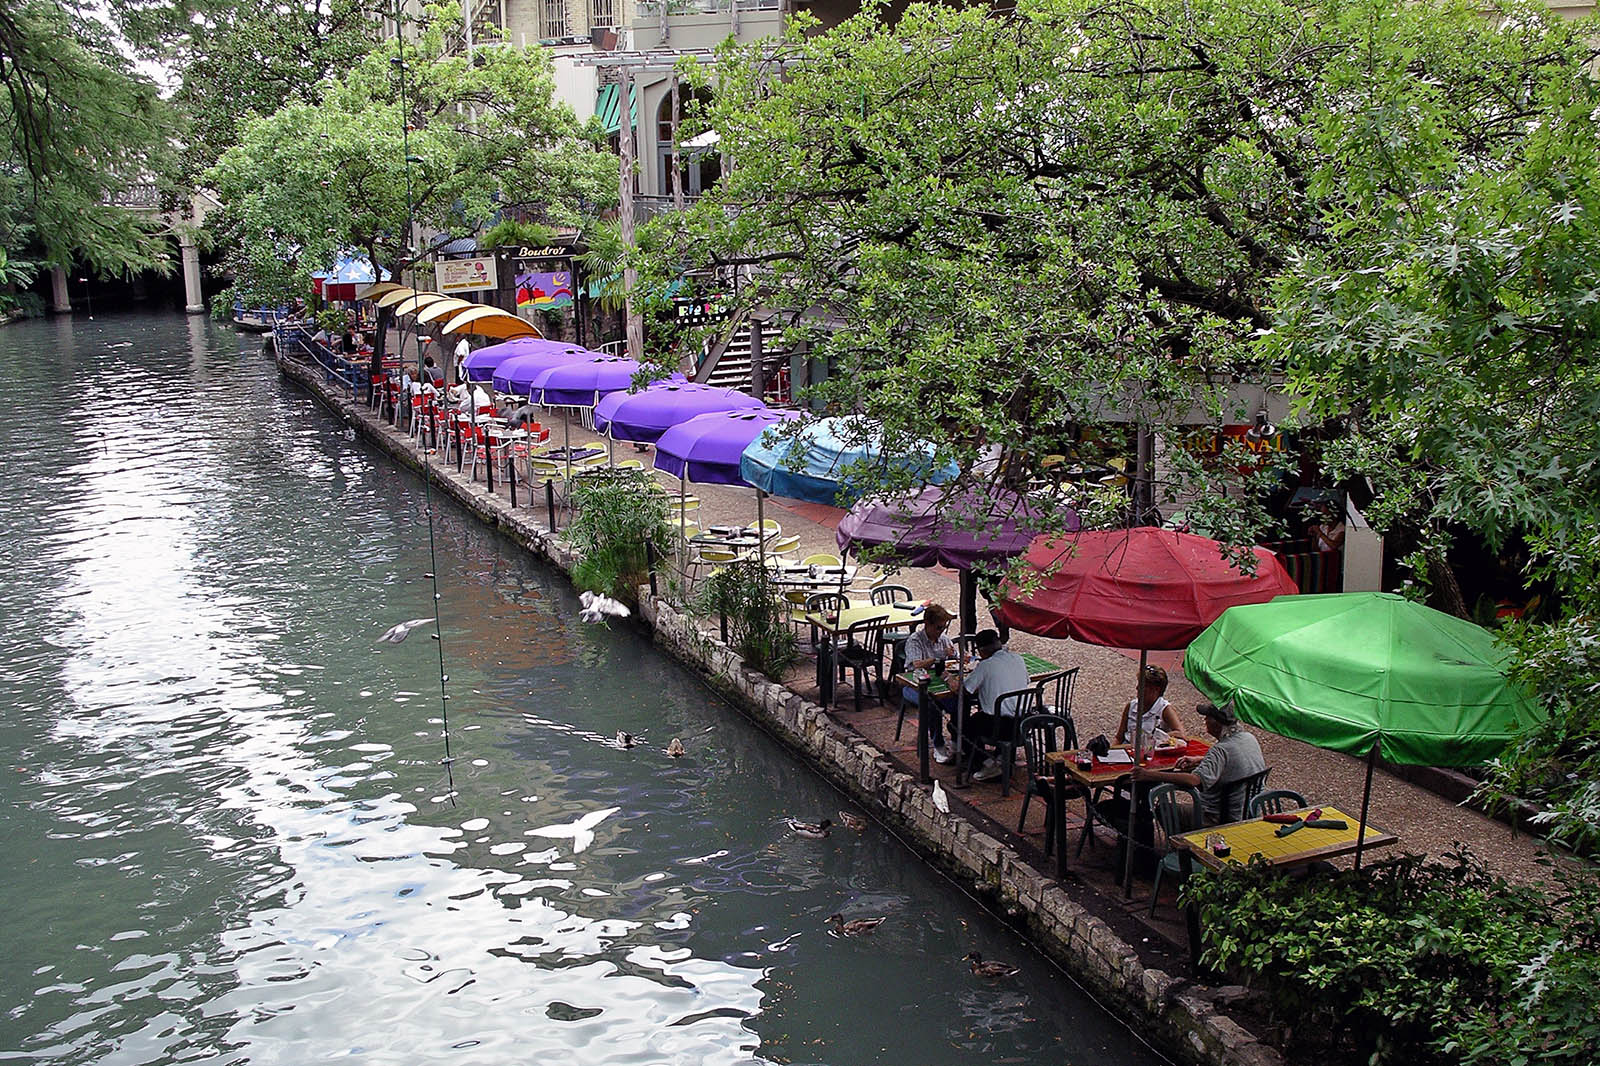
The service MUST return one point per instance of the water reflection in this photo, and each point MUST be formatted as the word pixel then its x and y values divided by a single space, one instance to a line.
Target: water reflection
pixel 230 828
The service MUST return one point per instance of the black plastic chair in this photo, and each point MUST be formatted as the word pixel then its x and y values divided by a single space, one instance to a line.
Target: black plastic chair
pixel 1055 693
pixel 1174 821
pixel 1275 801
pixel 858 655
pixel 824 603
pixel 1247 787
pixel 892 641
pixel 887 594
pixel 1010 709
pixel 1042 734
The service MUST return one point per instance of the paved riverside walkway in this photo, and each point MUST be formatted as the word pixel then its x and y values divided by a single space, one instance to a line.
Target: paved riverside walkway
pixel 1424 821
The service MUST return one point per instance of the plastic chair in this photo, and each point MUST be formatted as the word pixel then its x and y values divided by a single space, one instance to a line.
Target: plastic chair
pixel 822 559
pixel 1042 734
pixel 1055 692
pixel 824 603
pixel 887 594
pixel 630 464
pixel 1010 709
pixel 769 525
pixel 1275 801
pixel 1249 787
pixel 1170 816
pixel 783 545
pixel 858 654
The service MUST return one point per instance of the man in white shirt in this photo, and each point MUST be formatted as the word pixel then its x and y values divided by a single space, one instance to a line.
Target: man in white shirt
pixel 925 653
pixel 463 349
pixel 999 671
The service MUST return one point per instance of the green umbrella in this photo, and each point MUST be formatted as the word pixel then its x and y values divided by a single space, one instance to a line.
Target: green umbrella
pixel 1365 673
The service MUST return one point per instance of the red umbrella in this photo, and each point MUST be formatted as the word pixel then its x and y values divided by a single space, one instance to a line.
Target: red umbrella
pixel 1141 588
pixel 1136 588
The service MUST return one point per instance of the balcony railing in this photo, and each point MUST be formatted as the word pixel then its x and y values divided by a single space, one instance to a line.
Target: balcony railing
pixel 605 14
pixel 553 22
pixel 143 196
pixel 649 9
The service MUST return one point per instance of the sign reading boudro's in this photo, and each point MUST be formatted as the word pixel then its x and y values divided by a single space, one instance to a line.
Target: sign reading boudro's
pixel 467 275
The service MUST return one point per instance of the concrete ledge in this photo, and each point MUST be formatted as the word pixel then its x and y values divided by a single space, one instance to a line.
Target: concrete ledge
pixel 1186 1021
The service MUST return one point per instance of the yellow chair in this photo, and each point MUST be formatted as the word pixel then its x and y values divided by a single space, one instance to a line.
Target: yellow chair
pixel 690 530
pixel 783 545
pixel 769 526
pixel 631 464
pixel 822 559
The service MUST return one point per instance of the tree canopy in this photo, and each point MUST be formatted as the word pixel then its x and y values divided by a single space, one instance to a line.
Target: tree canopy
pixel 1014 231
pixel 317 177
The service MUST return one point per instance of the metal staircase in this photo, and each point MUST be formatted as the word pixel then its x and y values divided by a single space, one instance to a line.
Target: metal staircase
pixel 730 366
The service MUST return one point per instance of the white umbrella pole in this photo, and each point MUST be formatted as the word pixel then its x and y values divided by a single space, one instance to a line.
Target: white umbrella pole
pixel 1366 799
pixel 683 544
pixel 1133 785
pixel 761 530
pixel 566 440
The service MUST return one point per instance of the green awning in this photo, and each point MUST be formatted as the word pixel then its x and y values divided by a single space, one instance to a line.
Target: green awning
pixel 606 109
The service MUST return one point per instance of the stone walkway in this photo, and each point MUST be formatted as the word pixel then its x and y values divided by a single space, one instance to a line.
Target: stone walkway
pixel 1424 821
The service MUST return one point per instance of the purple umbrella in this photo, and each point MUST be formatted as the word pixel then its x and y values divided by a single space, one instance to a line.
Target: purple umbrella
pixel 481 364
pixel 645 415
pixel 581 384
pixel 960 530
pixel 706 449
pixel 517 373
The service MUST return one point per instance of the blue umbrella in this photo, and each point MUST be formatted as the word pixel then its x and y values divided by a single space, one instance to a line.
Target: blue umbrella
pixel 815 467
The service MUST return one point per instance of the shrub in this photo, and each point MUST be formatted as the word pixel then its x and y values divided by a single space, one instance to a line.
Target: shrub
pixel 1425 963
pixel 758 617
pixel 617 515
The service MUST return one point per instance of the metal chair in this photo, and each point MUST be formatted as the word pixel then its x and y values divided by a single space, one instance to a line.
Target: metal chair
pixel 1174 821
pixel 1042 734
pixel 1275 801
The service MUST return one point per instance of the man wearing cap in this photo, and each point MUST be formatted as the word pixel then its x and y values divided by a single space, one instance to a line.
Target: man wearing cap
pixel 1235 755
pixel 928 649
pixel 999 671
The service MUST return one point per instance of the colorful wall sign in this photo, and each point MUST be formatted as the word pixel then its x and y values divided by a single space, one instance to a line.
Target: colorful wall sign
pixel 467 275
pixel 543 290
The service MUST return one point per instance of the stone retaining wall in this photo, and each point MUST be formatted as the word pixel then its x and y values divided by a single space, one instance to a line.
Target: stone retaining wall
pixel 1183 1019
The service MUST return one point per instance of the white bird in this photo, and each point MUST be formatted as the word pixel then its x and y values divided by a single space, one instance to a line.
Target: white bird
pixel 941 802
pixel 350 434
pixel 395 634
pixel 580 832
pixel 597 607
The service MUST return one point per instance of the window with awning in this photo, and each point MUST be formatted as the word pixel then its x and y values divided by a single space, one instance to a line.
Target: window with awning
pixel 608 110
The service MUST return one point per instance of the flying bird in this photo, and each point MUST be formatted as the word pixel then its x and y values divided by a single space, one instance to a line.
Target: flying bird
pixel 396 634
pixel 990 969
pixel 855 926
pixel 580 832
pixel 597 607
pixel 810 830
pixel 852 821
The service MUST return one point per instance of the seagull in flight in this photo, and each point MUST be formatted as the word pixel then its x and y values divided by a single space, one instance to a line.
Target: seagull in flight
pixel 597 608
pixel 395 634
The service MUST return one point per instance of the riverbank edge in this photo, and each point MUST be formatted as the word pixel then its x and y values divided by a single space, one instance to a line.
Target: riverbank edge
pixel 1180 1018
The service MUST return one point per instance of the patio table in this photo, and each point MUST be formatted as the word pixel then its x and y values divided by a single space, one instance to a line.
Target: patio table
pixel 831 624
pixel 814 578
pixel 1258 839
pixel 930 686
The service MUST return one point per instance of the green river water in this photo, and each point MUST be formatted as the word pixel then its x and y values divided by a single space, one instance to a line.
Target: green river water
pixel 227 829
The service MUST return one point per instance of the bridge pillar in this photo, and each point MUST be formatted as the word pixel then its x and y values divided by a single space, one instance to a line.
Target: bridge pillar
pixel 60 298
pixel 193 298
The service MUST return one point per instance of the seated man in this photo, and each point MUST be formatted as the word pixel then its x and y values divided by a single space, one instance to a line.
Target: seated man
pixel 927 650
pixel 999 671
pixel 1235 755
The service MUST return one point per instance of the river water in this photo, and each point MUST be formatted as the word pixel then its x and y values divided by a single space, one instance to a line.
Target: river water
pixel 227 827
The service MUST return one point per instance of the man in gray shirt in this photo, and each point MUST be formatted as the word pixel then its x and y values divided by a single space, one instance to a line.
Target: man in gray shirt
pixel 999 671
pixel 1235 755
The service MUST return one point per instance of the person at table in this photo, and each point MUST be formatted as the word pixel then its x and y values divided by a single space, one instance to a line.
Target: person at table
pixel 432 375
pixel 1154 714
pixel 999 670
pixel 928 649
pixel 1235 755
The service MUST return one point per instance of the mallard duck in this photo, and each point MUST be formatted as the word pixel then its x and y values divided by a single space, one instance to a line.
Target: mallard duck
pixel 626 739
pixel 990 969
pixel 855 926
pixel 813 830
pixel 675 748
pixel 852 821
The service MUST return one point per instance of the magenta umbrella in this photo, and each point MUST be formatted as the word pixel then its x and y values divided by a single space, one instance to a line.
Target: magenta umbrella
pixel 647 414
pixel 960 529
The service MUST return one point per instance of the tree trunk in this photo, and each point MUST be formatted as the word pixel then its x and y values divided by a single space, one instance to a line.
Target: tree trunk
pixel 1446 589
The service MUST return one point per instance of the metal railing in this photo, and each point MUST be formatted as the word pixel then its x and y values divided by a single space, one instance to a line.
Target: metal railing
pixel 605 14
pixel 553 19
pixel 649 9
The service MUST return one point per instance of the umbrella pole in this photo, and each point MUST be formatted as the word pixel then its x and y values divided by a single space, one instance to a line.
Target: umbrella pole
pixel 969 601
pixel 683 544
pixel 761 529
pixel 1366 798
pixel 1133 786
pixel 566 440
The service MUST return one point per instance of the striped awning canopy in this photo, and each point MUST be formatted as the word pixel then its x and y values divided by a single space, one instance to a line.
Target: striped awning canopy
pixel 607 109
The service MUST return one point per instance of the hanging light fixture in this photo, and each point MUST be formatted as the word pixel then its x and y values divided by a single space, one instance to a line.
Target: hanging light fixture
pixel 1262 430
